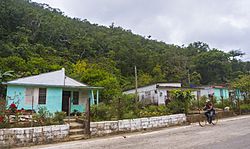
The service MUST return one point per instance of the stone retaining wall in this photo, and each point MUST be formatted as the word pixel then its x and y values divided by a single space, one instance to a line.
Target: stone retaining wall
pixel 33 135
pixel 107 127
pixel 221 114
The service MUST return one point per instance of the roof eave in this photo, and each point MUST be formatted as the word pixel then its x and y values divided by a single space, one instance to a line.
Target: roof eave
pixel 46 85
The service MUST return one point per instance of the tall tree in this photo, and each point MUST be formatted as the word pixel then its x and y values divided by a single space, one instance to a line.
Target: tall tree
pixel 3 77
pixel 236 53
pixel 214 66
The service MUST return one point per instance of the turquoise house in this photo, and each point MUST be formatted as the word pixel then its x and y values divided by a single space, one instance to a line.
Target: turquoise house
pixel 218 92
pixel 53 90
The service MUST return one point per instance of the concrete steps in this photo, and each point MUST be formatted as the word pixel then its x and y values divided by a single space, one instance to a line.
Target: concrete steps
pixel 77 137
pixel 70 120
pixel 76 131
pixel 76 125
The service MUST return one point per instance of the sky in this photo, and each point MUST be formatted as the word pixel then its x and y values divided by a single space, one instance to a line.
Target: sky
pixel 222 24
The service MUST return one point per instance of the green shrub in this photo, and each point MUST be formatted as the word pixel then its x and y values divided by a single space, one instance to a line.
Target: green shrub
pixel 58 117
pixel 176 107
pixel 247 101
pixel 180 101
pixel 226 103
pixel 100 112
pixel 154 110
pixel 130 115
pixel 42 117
pixel 4 123
pixel 195 104
pixel 245 107
pixel 124 106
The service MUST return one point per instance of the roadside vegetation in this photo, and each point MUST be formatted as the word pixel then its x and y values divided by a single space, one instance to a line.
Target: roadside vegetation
pixel 12 117
pixel 125 107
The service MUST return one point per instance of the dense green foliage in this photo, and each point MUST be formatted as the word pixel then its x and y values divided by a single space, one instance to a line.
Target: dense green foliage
pixel 125 107
pixel 35 38
pixel 242 83
pixel 120 107
pixel 11 117
pixel 180 101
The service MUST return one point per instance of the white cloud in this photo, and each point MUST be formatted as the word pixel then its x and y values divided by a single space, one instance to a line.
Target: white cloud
pixel 223 24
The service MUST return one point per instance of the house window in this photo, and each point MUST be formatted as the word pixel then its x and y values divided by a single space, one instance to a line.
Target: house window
pixel 42 96
pixel 29 95
pixel 75 98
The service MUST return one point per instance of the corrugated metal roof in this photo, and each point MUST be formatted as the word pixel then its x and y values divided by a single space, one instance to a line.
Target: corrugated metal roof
pixel 71 82
pixel 55 78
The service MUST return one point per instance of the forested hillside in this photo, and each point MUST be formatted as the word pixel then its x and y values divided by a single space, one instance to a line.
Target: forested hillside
pixel 35 38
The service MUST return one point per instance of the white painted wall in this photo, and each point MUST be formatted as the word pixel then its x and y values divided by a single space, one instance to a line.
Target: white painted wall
pixel 206 91
pixel 10 137
pixel 162 95
pixel 156 93
pixel 141 89
pixel 83 97
pixel 169 84
pixel 107 127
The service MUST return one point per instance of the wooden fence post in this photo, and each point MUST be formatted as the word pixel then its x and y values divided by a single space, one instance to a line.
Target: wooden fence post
pixel 87 122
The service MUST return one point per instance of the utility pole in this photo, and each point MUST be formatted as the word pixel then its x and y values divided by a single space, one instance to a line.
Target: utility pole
pixel 198 98
pixel 188 78
pixel 222 98
pixel 136 85
pixel 87 122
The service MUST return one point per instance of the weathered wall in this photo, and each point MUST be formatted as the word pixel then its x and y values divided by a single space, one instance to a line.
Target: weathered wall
pixel 33 135
pixel 195 117
pixel 18 95
pixel 53 99
pixel 47 134
pixel 107 127
pixel 83 96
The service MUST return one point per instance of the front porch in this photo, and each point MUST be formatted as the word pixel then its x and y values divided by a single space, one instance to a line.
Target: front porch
pixel 74 100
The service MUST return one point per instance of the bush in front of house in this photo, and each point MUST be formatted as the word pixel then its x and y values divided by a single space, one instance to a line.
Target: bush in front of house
pixel 245 108
pixel 180 101
pixel 126 107
pixel 154 110
pixel 10 117
pixel 120 107
pixel 3 118
pixel 59 117
pixel 198 104
pixel 107 112
pixel 100 112
pixel 2 112
pixel 226 103
pixel 44 117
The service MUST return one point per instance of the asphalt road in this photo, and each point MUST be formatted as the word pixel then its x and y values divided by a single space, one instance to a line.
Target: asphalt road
pixel 232 133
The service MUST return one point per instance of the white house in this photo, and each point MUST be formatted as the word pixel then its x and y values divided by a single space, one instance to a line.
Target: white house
pixel 155 93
